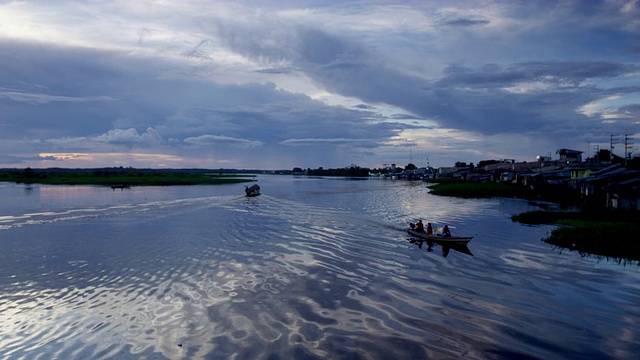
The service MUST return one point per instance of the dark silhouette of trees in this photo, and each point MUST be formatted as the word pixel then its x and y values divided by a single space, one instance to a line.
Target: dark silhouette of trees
pixel 352 171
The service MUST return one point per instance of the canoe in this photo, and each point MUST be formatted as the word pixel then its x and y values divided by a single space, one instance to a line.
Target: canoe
pixel 121 186
pixel 440 238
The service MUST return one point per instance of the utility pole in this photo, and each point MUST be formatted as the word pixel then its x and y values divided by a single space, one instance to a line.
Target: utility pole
pixel 613 140
pixel 628 145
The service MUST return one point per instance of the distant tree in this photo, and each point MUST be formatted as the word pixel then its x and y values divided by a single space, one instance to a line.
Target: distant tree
pixel 460 164
pixel 297 170
pixel 29 173
pixel 353 171
pixel 411 166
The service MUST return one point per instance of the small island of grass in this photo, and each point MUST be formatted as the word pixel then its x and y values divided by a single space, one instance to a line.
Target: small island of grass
pixel 464 189
pixel 609 234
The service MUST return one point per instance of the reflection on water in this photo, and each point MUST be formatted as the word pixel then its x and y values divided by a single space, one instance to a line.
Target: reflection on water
pixel 461 248
pixel 313 268
pixel 624 253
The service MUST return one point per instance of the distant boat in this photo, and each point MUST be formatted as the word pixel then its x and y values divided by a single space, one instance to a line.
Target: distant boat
pixel 121 186
pixel 253 190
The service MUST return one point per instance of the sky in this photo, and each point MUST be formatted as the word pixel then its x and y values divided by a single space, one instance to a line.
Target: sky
pixel 282 84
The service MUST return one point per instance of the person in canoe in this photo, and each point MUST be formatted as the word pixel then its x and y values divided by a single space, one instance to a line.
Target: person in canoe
pixel 420 226
pixel 446 232
pixel 429 229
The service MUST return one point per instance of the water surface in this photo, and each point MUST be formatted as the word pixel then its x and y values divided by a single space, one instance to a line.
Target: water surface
pixel 313 268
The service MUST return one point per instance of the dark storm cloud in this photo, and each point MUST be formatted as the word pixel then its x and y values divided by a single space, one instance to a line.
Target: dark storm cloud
pixel 532 97
pixel 466 22
pixel 105 98
pixel 483 99
pixel 487 99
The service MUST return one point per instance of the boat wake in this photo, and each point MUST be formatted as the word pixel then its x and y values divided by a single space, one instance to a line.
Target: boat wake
pixel 47 217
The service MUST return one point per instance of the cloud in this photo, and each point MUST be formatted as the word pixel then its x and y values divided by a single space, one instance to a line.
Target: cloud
pixel 490 99
pixel 79 142
pixel 337 83
pixel 121 137
pixel 209 140
pixel 63 156
pixel 129 137
pixel 467 22
pixel 41 98
pixel 331 142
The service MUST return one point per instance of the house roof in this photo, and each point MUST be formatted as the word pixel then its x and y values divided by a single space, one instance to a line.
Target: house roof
pixel 606 170
pixel 620 174
pixel 568 151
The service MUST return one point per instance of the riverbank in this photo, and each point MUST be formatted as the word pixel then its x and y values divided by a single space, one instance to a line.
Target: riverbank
pixel 599 233
pixel 609 234
pixel 120 177
pixel 463 189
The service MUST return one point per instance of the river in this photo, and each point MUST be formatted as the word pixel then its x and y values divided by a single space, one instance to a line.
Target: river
pixel 314 268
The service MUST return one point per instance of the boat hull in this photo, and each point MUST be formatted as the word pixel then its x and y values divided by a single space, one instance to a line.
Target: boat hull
pixel 440 238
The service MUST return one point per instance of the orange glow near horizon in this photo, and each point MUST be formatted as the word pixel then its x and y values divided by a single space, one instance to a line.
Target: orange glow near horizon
pixel 64 156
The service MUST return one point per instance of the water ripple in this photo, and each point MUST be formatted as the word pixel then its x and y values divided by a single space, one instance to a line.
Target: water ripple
pixel 324 273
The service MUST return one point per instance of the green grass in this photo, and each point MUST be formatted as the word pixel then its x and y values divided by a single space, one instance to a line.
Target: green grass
pixel 574 217
pixel 605 234
pixel 599 233
pixel 608 239
pixel 458 188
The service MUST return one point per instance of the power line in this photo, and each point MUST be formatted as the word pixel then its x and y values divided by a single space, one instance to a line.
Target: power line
pixel 613 140
pixel 628 145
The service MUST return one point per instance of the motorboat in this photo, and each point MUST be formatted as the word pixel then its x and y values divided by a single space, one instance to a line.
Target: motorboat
pixel 253 190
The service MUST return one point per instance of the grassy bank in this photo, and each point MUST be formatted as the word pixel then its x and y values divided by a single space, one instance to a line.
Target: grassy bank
pixel 131 177
pixel 601 233
pixel 610 235
pixel 463 189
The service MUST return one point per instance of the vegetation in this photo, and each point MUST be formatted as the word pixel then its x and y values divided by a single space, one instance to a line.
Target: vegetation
pixel 463 189
pixel 598 233
pixel 119 176
pixel 352 171
pixel 610 239
pixel 608 234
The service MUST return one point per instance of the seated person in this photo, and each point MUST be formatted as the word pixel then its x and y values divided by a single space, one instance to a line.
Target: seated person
pixel 420 226
pixel 446 231
pixel 429 229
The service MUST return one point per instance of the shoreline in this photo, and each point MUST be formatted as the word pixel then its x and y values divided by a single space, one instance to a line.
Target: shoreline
pixel 606 234
pixel 122 177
